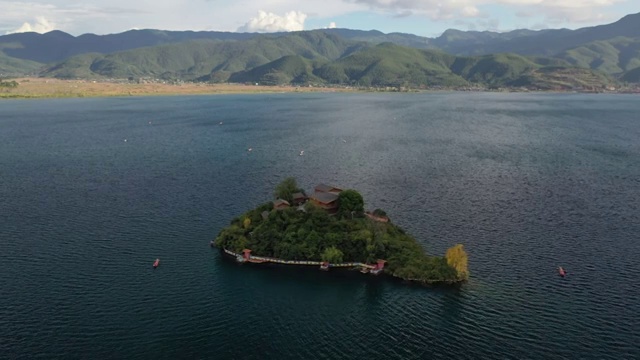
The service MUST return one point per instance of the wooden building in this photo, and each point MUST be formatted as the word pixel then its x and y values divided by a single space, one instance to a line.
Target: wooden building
pixel 299 198
pixel 280 204
pixel 327 189
pixel 326 197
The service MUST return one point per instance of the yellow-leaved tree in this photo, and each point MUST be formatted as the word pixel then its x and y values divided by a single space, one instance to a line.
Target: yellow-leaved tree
pixel 457 259
pixel 246 222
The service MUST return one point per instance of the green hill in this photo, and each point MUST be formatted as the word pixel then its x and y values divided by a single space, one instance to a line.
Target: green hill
pixel 493 70
pixel 205 58
pixel 563 78
pixel 552 42
pixel 392 65
pixel 10 66
pixel 612 56
pixel 611 48
pixel 290 69
pixel 310 58
pixel 476 42
pixel 632 76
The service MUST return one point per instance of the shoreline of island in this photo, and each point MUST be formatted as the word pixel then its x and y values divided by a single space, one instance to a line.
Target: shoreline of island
pixel 329 228
pixel 366 269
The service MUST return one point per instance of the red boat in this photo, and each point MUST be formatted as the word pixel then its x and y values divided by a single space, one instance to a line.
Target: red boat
pixel 156 263
pixel 561 271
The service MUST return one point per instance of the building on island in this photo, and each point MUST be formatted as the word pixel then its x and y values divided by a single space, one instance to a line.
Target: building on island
pixel 378 267
pixel 280 204
pixel 246 256
pixel 326 197
pixel 327 189
pixel 299 198
pixel 326 201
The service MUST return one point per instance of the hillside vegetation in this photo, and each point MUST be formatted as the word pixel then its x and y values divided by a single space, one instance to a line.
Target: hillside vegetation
pixel 632 76
pixel 613 56
pixel 317 58
pixel 337 56
pixel 12 67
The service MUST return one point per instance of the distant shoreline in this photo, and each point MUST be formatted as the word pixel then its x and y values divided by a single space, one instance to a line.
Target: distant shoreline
pixel 47 88
pixel 44 88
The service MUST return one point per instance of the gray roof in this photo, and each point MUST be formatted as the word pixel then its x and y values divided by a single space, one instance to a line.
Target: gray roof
pixel 279 202
pixel 265 215
pixel 324 197
pixel 326 188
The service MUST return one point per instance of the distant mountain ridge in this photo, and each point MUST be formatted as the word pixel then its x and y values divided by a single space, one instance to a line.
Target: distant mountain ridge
pixel 329 55
pixel 305 58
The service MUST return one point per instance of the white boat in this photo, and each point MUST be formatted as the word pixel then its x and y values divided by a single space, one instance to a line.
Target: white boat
pixel 301 152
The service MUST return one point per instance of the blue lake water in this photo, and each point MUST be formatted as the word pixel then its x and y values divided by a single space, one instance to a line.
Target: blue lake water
pixel 527 182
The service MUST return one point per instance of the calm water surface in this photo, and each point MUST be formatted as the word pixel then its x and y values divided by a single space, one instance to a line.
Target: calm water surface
pixel 525 182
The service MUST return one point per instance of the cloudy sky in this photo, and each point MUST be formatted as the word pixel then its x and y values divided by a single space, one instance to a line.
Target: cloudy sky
pixel 421 17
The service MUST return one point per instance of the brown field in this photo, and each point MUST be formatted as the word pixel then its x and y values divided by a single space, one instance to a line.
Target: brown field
pixel 55 88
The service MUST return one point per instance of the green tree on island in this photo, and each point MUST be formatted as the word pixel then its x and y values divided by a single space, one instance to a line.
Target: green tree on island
pixel 286 189
pixel 350 203
pixel 379 213
pixel 332 255
pixel 457 259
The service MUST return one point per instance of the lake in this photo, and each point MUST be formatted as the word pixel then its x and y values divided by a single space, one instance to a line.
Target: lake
pixel 92 191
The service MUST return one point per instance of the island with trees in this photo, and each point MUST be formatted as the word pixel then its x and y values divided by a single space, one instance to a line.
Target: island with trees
pixel 330 227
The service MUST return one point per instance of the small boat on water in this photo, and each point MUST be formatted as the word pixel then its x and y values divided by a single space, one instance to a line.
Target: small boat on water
pixel 561 271
pixel 301 152
pixel 156 263
pixel 324 266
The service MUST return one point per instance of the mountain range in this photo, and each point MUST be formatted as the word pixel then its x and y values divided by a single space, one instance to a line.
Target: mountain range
pixel 546 59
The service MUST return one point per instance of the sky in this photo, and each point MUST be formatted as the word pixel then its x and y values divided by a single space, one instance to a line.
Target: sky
pixel 421 17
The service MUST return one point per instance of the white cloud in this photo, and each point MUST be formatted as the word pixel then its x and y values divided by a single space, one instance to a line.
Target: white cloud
pixel 332 25
pixel 270 22
pixel 569 11
pixel 470 11
pixel 41 25
pixel 116 16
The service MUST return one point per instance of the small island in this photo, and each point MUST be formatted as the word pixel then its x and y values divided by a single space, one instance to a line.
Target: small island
pixel 331 229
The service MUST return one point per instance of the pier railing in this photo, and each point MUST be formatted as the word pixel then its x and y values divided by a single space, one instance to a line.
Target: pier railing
pixel 264 259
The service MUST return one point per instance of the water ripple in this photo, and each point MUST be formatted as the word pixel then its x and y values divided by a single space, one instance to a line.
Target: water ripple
pixel 527 182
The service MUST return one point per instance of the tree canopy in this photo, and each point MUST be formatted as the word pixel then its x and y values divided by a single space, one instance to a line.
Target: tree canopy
pixel 313 234
pixel 332 255
pixel 287 188
pixel 350 203
pixel 457 259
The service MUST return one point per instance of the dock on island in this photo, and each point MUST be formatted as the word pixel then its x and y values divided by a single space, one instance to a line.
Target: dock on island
pixel 246 257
